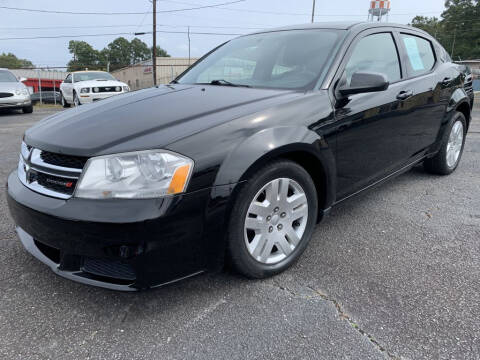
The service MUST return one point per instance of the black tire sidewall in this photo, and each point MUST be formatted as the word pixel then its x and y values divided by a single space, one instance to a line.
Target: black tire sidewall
pixel 64 102
pixel 239 255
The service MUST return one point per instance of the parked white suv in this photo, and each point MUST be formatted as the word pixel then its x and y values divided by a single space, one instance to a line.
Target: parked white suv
pixel 83 87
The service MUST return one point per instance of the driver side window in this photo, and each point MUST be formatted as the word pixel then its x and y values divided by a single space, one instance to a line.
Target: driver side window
pixel 68 79
pixel 375 53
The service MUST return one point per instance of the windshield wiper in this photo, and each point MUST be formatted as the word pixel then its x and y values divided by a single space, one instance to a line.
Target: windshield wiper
pixel 226 83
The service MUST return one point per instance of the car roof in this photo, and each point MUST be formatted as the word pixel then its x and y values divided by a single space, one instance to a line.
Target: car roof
pixel 355 26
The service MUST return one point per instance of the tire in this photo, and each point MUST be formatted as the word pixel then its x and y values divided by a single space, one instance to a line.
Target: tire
pixel 64 102
pixel 452 145
pixel 76 100
pixel 274 222
pixel 27 109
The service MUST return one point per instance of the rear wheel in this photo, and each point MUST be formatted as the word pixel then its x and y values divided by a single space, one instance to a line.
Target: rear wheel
pixel 64 102
pixel 272 219
pixel 448 157
pixel 27 109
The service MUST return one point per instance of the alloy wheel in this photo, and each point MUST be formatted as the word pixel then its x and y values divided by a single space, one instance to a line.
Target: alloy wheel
pixel 455 143
pixel 276 221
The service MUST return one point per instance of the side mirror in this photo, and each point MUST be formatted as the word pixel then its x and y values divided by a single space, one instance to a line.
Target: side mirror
pixel 22 79
pixel 365 82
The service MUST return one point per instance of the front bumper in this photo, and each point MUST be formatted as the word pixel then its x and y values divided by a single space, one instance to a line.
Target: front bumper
pixel 14 102
pixel 117 244
pixel 86 98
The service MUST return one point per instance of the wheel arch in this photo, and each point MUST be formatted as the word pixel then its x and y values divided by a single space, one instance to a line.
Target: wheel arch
pixel 464 108
pixel 459 101
pixel 298 144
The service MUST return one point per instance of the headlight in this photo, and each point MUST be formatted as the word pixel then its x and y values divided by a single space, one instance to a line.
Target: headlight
pixel 95 89
pixel 135 175
pixel 126 88
pixel 85 90
pixel 118 88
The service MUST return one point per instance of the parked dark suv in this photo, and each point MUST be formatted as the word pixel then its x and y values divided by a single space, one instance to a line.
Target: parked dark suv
pixel 239 157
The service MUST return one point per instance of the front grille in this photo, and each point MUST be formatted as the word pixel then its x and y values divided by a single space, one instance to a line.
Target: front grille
pixel 5 94
pixel 108 89
pixel 68 161
pixel 49 173
pixel 55 183
pixel 108 268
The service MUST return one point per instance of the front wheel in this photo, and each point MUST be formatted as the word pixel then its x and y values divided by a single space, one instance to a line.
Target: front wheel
pixel 448 157
pixel 272 219
pixel 76 100
pixel 64 102
pixel 27 109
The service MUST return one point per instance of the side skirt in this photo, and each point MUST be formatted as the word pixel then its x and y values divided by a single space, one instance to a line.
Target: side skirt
pixel 388 177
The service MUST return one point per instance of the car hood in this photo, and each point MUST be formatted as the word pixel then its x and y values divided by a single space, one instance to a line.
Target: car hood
pixel 93 83
pixel 159 116
pixel 11 86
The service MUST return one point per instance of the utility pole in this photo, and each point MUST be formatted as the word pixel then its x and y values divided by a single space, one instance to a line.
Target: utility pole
pixel 189 46
pixel 313 11
pixel 154 49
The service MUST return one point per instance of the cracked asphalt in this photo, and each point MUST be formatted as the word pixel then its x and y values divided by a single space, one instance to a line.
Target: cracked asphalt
pixel 391 274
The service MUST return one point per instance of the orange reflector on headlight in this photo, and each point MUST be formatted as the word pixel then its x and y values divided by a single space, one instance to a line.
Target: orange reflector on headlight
pixel 179 180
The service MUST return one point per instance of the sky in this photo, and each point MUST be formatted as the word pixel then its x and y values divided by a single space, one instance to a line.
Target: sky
pixel 238 18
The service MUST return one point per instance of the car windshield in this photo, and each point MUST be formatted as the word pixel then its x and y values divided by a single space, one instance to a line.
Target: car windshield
pixel 94 75
pixel 7 76
pixel 293 59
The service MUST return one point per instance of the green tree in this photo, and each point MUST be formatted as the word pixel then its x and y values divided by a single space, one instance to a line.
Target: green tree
pixel 458 30
pixel 119 53
pixel 10 61
pixel 84 56
pixel 139 51
pixel 160 52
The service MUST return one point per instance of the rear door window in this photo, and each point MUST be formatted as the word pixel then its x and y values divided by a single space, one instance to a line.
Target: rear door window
pixel 421 58
pixel 375 53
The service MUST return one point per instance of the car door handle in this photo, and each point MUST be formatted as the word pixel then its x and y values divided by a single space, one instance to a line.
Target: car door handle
pixel 446 81
pixel 403 95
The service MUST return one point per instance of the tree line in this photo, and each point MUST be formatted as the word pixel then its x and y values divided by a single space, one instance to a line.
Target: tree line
pixel 458 29
pixel 119 53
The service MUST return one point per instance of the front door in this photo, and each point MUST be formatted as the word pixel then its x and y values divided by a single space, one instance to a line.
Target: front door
pixel 371 135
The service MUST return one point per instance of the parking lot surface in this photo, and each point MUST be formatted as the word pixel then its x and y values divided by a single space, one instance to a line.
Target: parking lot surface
pixel 391 274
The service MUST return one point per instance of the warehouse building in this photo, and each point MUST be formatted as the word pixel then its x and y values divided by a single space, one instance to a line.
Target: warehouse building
pixel 140 76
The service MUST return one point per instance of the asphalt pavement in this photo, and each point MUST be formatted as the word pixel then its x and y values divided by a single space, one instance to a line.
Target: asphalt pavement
pixel 391 274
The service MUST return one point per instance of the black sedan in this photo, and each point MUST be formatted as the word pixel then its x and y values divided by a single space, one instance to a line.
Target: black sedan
pixel 46 97
pixel 237 159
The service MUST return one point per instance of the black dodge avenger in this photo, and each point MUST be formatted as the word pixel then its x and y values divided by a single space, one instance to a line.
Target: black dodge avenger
pixel 238 158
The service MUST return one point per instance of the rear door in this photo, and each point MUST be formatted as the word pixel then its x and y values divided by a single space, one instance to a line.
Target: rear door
pixel 425 108
pixel 371 135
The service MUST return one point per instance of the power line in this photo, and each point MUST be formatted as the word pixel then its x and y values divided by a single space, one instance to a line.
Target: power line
pixel 118 13
pixel 198 7
pixel 291 13
pixel 129 25
pixel 121 33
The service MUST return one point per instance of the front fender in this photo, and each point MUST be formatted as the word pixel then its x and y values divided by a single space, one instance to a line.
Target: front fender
pixel 274 142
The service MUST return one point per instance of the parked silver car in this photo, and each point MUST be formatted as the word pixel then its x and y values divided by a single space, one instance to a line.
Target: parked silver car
pixel 13 93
